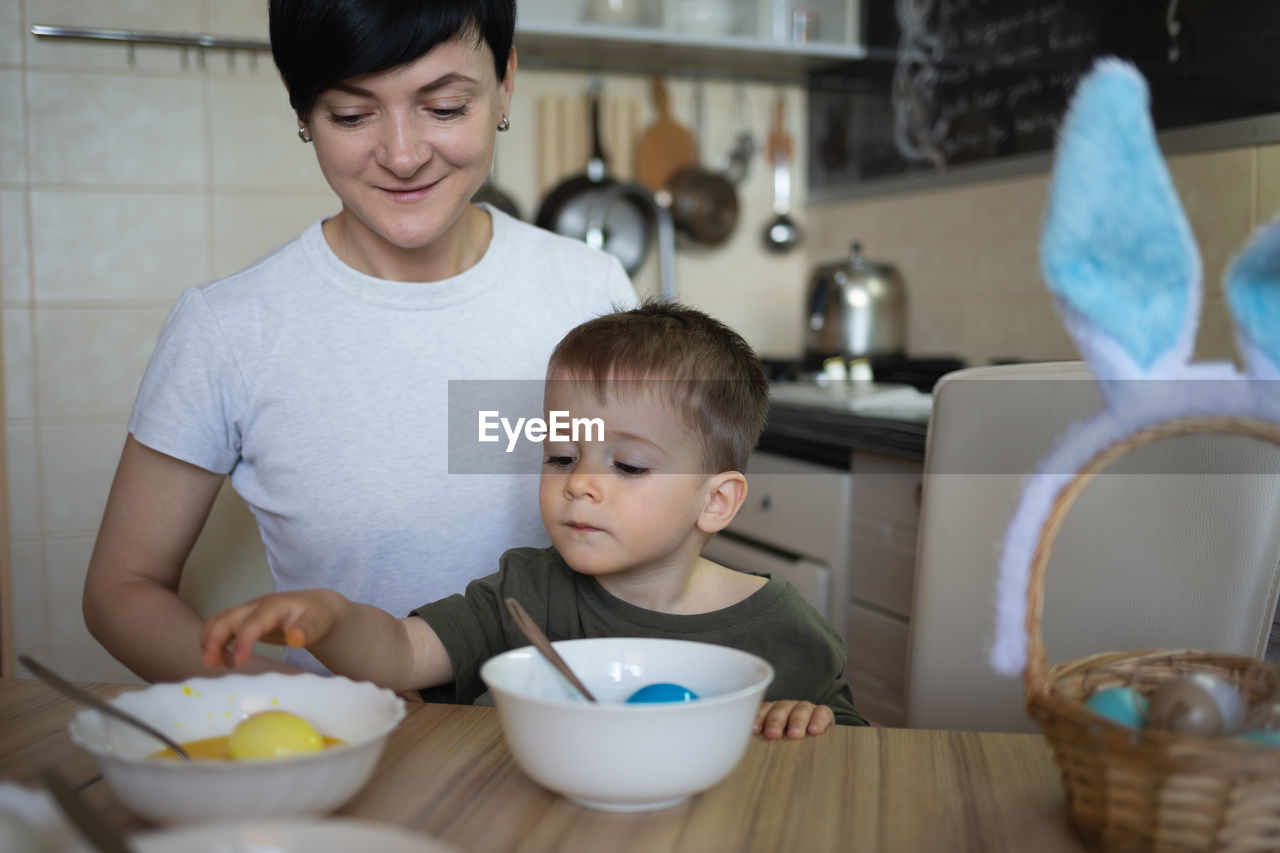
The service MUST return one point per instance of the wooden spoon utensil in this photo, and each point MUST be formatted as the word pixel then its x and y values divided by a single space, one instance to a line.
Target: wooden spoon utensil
pixel 540 642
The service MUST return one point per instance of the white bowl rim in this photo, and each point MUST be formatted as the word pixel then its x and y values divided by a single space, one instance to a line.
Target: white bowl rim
pixel 210 683
pixel 760 684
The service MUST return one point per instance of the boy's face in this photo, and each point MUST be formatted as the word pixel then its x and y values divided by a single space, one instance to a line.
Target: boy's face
pixel 630 503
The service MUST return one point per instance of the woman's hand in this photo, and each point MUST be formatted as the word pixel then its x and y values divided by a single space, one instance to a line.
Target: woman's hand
pixel 286 618
pixel 792 718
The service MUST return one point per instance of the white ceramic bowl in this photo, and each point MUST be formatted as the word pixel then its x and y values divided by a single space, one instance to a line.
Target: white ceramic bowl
pixel 175 792
pixel 330 835
pixel 622 757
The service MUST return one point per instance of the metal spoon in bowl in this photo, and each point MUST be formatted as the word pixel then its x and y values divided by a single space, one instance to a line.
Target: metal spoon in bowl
pixel 539 640
pixel 66 688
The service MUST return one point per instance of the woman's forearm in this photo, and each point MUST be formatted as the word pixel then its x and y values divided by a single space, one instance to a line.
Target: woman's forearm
pixel 154 514
pixel 153 632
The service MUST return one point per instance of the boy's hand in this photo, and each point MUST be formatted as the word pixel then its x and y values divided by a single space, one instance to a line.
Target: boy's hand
pixel 287 618
pixel 792 718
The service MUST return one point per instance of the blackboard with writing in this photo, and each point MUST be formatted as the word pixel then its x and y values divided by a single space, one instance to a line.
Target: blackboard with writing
pixel 950 83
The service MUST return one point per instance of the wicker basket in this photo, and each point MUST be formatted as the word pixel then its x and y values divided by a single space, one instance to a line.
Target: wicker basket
pixel 1151 789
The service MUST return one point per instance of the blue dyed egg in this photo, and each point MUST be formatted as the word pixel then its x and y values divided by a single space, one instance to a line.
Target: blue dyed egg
pixel 662 692
pixel 1122 705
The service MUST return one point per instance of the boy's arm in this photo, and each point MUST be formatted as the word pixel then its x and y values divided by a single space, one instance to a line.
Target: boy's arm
pixel 351 639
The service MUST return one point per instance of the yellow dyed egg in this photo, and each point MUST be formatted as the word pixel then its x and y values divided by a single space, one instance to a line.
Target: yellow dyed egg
pixel 273 734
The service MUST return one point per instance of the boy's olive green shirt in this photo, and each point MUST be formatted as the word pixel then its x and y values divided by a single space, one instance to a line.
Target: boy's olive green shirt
pixel 775 623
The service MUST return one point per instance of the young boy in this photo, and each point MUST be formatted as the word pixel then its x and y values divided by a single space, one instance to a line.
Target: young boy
pixel 628 513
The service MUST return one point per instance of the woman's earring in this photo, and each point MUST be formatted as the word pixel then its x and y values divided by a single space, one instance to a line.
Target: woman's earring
pixel 304 134
pixel 505 124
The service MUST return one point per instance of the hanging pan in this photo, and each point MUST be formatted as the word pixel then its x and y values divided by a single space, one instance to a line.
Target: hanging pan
pixel 703 202
pixel 628 220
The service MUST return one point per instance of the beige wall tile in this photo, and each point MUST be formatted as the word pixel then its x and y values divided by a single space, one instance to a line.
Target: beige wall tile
pixel 937 327
pixel 247 226
pixel 241 18
pixel 19 391
pixel 255 137
pixel 66 561
pixel 24 481
pixel 84 55
pixel 157 15
pixel 765 307
pixel 1010 215
pixel 11 33
pixel 164 16
pixel 1026 329
pixel 13 130
pixel 1216 335
pixel 116 129
pixel 91 360
pixel 15 255
pixel 77 463
pixel 100 246
pixel 27 581
pixel 1217 191
pixel 1268 184
pixel 86 661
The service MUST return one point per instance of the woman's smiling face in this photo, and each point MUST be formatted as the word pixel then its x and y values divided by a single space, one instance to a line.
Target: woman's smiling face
pixel 405 149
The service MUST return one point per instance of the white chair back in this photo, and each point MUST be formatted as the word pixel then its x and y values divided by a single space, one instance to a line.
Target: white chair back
pixel 1175 546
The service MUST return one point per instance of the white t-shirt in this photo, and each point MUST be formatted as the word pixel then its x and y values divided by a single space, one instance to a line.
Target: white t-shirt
pixel 323 392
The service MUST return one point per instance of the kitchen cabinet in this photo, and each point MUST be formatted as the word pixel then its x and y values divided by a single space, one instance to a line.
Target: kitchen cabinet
pixel 882 564
pixel 746 40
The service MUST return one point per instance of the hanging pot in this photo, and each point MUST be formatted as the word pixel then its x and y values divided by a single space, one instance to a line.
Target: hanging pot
pixel 628 222
pixel 703 203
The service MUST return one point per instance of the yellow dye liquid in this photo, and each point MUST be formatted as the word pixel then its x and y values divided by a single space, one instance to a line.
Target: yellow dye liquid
pixel 215 749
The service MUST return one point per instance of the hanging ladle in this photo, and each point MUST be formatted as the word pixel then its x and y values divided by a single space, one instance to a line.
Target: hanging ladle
pixel 540 642
pixel 781 233
pixel 84 697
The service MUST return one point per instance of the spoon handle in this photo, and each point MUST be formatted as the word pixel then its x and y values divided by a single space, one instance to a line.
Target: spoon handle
pixel 534 635
pixel 65 687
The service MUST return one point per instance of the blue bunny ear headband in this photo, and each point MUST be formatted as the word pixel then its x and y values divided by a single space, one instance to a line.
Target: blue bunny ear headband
pixel 1120 259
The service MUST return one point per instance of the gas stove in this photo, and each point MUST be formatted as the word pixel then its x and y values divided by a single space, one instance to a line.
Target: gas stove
pixel 919 372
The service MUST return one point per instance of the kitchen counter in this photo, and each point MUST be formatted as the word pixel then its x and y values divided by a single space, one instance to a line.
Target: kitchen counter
pixel 824 421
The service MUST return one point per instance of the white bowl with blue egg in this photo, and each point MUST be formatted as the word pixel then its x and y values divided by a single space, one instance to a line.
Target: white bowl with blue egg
pixel 626 756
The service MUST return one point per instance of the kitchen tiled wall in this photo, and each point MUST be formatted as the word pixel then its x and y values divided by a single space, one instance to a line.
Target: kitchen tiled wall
pixel 968 253
pixel 127 175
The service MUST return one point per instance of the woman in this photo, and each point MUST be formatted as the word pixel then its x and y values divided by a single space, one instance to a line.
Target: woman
pixel 318 377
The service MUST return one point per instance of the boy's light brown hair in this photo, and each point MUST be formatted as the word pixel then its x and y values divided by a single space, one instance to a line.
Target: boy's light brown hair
pixel 686 358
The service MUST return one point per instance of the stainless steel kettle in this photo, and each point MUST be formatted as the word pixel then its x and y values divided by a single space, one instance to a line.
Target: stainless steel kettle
pixel 856 309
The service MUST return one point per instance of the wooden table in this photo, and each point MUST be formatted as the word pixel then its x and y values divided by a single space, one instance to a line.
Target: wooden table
pixel 446 771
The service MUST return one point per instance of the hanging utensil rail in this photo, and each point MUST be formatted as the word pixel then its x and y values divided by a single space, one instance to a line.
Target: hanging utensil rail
pixel 203 40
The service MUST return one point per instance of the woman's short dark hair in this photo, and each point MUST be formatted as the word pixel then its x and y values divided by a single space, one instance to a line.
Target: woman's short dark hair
pixel 317 43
